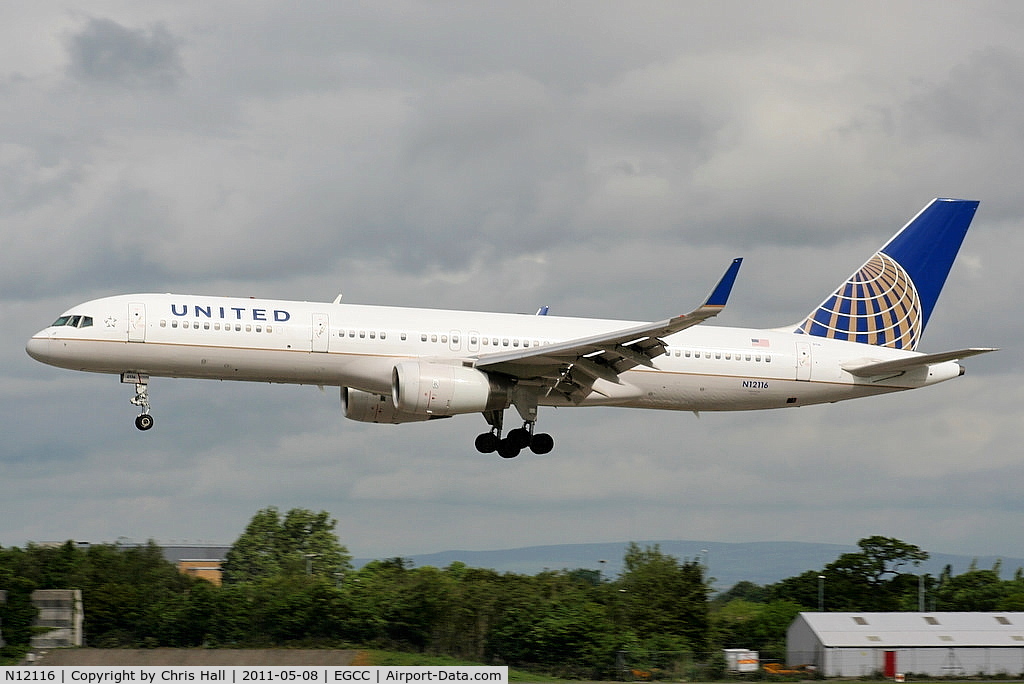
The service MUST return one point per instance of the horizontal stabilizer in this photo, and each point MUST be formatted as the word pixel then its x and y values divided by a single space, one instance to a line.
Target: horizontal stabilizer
pixel 866 368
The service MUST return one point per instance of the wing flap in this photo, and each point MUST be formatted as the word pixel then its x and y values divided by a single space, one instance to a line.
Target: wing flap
pixel 866 368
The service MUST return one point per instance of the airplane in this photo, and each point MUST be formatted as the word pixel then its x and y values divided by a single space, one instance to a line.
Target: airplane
pixel 403 365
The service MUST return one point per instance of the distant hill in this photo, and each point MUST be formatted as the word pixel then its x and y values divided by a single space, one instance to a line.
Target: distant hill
pixel 758 562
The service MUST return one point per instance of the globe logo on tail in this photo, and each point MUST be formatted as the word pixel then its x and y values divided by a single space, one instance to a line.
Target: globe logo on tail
pixel 878 305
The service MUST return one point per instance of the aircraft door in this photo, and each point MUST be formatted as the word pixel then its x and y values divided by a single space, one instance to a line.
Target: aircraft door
pixel 321 333
pixel 136 322
pixel 455 340
pixel 803 361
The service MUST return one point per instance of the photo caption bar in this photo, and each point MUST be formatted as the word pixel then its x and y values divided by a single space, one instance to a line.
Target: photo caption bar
pixel 236 674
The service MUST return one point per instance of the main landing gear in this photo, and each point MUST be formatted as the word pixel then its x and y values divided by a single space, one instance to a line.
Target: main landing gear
pixel 144 421
pixel 515 441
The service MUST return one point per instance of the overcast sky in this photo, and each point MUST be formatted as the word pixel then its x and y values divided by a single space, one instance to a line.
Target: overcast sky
pixel 606 159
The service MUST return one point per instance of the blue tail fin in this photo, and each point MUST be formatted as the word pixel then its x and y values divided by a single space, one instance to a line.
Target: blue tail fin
pixel 889 300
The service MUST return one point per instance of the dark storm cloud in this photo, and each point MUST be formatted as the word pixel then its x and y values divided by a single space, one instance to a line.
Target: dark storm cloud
pixel 105 52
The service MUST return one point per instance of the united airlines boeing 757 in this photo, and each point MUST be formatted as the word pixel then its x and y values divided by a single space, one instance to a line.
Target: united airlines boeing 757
pixel 402 365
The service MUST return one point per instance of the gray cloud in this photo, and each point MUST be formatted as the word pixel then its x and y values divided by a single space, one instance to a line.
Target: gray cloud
pixel 607 160
pixel 107 53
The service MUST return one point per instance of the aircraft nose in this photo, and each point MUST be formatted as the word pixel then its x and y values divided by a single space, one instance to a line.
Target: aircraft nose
pixel 38 347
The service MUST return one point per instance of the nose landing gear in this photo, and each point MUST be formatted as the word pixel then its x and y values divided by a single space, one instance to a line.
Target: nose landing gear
pixel 144 421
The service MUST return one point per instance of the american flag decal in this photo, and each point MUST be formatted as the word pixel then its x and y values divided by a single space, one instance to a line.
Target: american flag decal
pixel 759 342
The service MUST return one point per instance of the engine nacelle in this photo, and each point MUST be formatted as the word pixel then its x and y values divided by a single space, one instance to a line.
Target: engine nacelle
pixel 374 408
pixel 436 389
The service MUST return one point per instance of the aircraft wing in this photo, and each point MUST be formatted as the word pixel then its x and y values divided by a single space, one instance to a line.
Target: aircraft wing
pixel 571 367
pixel 866 368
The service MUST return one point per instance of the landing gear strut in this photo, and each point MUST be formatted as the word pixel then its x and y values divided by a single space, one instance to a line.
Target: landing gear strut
pixel 144 421
pixel 515 441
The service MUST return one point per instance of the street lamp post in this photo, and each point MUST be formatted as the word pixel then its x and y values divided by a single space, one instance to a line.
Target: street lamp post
pixel 821 593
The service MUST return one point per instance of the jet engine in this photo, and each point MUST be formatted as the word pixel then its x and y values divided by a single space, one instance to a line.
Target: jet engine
pixel 436 389
pixel 366 407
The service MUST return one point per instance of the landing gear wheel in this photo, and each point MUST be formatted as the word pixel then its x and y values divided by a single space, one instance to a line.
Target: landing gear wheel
pixel 144 422
pixel 542 443
pixel 487 443
pixel 507 449
pixel 520 437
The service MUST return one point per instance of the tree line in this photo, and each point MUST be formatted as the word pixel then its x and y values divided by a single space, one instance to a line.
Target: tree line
pixel 288 581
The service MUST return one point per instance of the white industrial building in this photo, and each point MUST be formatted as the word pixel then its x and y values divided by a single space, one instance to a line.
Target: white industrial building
pixel 934 644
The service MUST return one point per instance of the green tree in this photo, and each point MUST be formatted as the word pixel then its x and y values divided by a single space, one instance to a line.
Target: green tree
pixel 869 579
pixel 292 544
pixel 974 590
pixel 663 596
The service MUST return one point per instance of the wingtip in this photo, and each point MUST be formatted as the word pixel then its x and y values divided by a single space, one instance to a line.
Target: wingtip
pixel 720 295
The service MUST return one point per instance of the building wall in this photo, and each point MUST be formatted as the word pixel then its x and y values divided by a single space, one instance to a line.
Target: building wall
pixel 934 662
pixel 203 568
pixel 61 611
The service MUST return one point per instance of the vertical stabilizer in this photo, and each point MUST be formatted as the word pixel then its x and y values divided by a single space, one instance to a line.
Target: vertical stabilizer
pixel 888 301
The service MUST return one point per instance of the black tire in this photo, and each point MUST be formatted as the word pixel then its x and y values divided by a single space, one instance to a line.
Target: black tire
pixel 507 449
pixel 487 443
pixel 520 437
pixel 542 443
pixel 144 422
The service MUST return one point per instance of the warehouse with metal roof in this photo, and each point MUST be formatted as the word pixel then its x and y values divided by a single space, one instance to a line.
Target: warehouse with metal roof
pixel 934 644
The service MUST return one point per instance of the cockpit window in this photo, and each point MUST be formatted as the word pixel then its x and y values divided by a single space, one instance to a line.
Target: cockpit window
pixel 73 321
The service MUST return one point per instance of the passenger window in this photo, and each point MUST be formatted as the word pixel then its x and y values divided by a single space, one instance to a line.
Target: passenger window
pixel 174 324
pixel 238 327
pixel 718 355
pixel 504 342
pixel 404 336
pixel 444 338
pixel 373 335
pixel 515 343
pixel 433 338
pixel 748 357
pixel 767 359
pixel 351 333
pixel 362 334
pixel 163 324
pixel 206 325
pixel 259 328
pixel 383 335
pixel 269 329
pixel 757 358
pixel 472 340
pixel 485 341
pixel 423 337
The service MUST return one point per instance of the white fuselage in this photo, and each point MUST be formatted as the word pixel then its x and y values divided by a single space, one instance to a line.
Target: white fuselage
pixel 705 368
